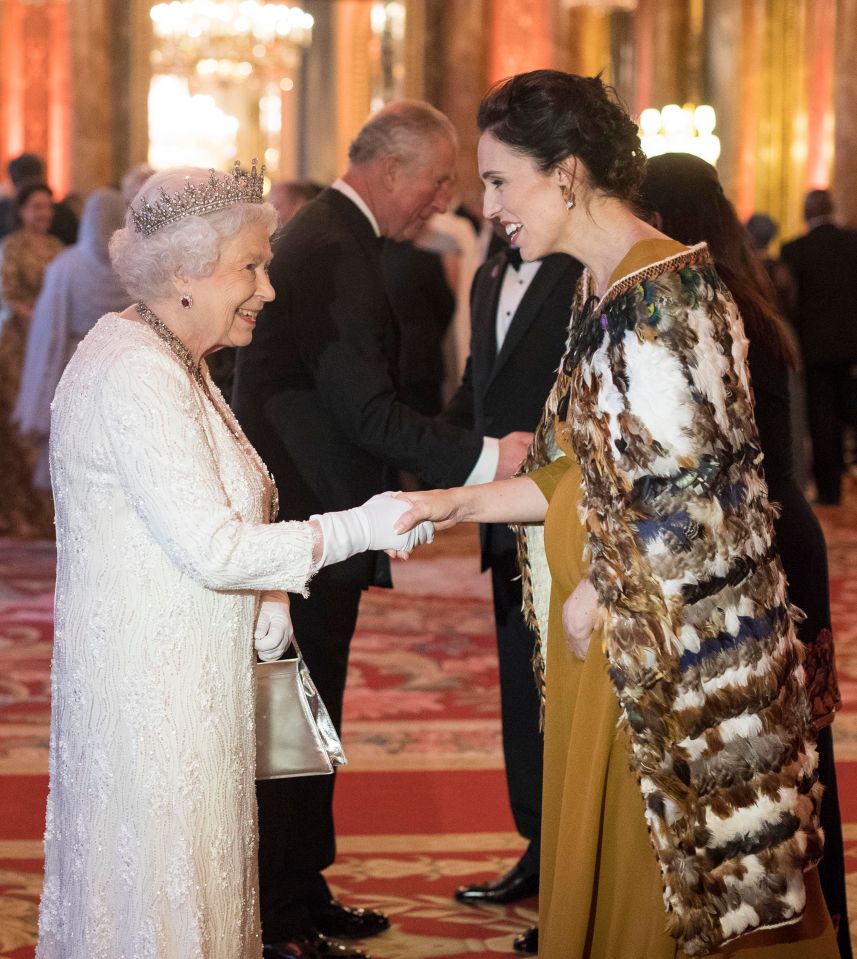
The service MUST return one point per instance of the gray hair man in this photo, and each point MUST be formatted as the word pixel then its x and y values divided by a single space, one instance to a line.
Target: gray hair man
pixel 316 393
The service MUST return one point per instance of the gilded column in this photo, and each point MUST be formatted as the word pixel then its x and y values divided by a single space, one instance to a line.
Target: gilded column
pixel 458 78
pixel 12 86
pixel 352 35
pixel 644 43
pixel 672 52
pixel 34 98
pixel 92 156
pixel 749 116
pixel 587 49
pixel 821 31
pixel 133 70
pixel 316 89
pixel 415 49
pixel 520 38
pixel 781 154
pixel 845 104
pixel 723 85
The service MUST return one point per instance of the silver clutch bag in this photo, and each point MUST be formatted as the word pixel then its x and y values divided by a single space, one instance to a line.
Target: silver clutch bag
pixel 294 733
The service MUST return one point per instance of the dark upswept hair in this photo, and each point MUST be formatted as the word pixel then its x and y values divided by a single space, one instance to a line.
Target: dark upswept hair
pixel 686 192
pixel 550 115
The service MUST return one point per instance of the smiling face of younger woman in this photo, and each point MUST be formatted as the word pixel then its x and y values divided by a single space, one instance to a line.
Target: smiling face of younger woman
pixel 526 202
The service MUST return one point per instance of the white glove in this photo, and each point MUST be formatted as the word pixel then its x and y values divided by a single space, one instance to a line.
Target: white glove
pixel 274 629
pixel 369 526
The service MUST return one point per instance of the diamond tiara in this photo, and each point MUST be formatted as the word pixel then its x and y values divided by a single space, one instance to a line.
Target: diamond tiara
pixel 217 193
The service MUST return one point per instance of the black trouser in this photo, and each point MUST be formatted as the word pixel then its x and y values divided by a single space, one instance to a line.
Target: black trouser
pixel 523 745
pixel 296 832
pixel 831 869
pixel 828 402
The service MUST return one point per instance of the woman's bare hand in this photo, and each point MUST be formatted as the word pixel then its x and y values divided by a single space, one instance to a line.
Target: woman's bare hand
pixel 441 506
pixel 578 617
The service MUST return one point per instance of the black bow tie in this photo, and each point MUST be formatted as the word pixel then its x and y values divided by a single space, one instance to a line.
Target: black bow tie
pixel 513 256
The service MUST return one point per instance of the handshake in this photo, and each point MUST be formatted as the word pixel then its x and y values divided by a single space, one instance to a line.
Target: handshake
pixel 370 526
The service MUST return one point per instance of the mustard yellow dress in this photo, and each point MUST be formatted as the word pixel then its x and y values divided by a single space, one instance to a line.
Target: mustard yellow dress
pixel 600 891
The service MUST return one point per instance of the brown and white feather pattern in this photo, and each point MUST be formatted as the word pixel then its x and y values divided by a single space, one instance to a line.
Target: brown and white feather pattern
pixel 697 626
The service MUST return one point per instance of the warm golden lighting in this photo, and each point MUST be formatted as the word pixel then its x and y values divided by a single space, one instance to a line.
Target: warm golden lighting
pixel 186 129
pixel 261 36
pixel 221 69
pixel 675 129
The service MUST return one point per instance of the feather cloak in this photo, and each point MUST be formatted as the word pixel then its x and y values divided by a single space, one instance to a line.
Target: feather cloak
pixel 655 400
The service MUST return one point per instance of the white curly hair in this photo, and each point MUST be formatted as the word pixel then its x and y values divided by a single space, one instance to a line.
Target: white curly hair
pixel 147 265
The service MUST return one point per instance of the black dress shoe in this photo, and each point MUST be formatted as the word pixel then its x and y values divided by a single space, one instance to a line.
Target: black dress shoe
pixel 349 922
pixel 516 884
pixel 314 946
pixel 325 946
pixel 527 942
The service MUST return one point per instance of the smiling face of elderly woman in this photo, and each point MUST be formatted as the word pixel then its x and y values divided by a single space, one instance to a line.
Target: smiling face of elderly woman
pixel 229 300
pixel 206 277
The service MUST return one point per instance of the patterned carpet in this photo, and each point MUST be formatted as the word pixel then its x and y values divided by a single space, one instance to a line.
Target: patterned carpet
pixel 422 806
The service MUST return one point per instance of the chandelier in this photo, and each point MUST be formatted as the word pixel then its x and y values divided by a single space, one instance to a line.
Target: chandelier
pixel 229 39
pixel 675 129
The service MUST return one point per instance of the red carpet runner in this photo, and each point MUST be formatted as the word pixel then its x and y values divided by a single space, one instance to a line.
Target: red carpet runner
pixel 422 806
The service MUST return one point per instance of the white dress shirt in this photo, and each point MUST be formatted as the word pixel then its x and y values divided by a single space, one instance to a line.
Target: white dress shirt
pixel 515 285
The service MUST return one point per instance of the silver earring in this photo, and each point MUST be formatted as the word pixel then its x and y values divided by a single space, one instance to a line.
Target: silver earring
pixel 186 301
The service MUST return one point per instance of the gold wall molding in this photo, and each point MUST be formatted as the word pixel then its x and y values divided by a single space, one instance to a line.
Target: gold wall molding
pixel 845 109
pixel 352 33
pixel 35 101
pixel 457 77
pixel 415 49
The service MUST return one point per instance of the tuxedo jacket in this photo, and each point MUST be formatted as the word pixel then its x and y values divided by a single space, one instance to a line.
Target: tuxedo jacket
pixel 506 390
pixel 315 391
pixel 824 265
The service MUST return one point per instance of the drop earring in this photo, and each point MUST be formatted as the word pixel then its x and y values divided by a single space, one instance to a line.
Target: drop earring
pixel 569 197
pixel 186 301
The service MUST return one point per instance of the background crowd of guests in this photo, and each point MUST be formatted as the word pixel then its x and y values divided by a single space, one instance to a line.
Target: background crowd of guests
pixel 406 339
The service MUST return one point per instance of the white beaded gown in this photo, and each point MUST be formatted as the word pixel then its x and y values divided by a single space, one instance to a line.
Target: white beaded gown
pixel 163 546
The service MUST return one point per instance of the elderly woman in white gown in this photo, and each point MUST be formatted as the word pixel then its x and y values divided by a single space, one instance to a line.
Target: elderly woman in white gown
pixel 168 557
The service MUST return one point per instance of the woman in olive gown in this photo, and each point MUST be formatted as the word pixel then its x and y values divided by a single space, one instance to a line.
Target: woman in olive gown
pixel 709 842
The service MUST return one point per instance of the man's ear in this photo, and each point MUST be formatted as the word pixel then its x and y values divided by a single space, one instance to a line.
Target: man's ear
pixel 391 168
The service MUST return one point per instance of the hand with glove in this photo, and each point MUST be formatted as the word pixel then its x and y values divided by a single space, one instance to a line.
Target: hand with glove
pixel 274 629
pixel 369 526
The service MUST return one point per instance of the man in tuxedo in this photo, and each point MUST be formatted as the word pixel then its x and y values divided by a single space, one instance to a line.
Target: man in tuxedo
pixel 316 394
pixel 823 264
pixel 520 314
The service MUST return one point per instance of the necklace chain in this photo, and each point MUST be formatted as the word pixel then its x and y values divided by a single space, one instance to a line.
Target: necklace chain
pixel 172 341
pixel 183 355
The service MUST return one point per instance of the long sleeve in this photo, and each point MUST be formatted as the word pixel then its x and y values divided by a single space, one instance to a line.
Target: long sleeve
pixel 345 348
pixel 155 428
